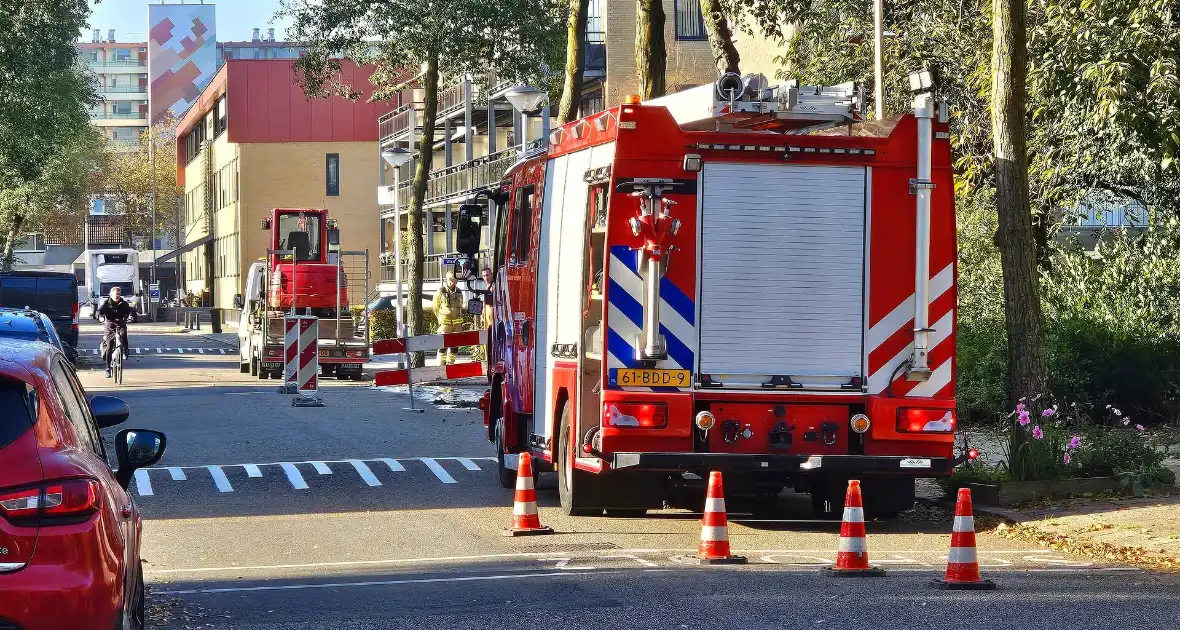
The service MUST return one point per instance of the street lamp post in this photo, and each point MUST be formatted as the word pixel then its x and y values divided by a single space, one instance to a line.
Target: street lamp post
pixel 396 157
pixel 527 100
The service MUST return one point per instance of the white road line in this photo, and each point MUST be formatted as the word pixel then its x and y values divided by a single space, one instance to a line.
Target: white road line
pixel 342 461
pixel 438 471
pixel 362 469
pixel 252 470
pixel 159 351
pixel 201 350
pixel 142 484
pixel 467 463
pixel 294 587
pixel 394 465
pixel 294 476
pixel 321 468
pixel 177 473
pixel 220 479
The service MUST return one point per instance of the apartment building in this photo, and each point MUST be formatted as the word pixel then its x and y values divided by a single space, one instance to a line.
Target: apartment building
pixel 252 142
pixel 120 70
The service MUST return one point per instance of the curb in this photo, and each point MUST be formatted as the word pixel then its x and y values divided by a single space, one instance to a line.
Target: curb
pixel 1011 517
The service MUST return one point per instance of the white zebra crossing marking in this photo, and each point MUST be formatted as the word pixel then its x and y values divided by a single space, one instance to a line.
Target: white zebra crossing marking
pixel 362 469
pixel 164 351
pixel 220 479
pixel 295 476
pixel 438 470
pixel 143 484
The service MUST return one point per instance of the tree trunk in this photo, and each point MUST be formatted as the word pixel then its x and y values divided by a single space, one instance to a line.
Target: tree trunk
pixel 414 319
pixel 1015 237
pixel 6 260
pixel 651 57
pixel 725 54
pixel 575 61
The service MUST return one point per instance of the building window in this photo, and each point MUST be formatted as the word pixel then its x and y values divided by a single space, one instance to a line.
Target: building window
pixel 333 174
pixel 690 25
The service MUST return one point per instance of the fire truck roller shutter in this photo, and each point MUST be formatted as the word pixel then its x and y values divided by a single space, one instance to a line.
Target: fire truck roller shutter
pixel 782 273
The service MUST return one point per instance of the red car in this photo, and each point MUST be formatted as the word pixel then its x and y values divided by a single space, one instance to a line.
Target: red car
pixel 69 529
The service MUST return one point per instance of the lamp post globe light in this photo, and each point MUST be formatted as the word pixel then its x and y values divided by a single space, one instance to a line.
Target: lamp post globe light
pixel 527 101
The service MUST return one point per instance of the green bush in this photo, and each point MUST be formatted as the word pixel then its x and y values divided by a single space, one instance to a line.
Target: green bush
pixel 971 472
pixel 1111 450
pixel 382 325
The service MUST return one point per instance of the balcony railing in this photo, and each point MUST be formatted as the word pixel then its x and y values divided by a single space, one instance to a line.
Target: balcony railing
pixel 124 89
pixel 399 121
pixel 115 116
pixel 119 63
pixel 452 184
pixel 433 268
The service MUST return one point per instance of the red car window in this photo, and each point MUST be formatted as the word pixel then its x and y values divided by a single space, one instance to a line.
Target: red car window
pixel 74 410
pixel 16 416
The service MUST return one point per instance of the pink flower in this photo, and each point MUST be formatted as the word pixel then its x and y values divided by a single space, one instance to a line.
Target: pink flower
pixel 1024 419
pixel 1048 413
pixel 1139 426
pixel 1037 432
pixel 1126 421
pixel 1066 458
pixel 1074 443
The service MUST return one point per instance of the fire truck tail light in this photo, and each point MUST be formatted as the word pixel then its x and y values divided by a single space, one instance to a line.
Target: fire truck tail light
pixel 635 415
pixel 705 421
pixel 632 99
pixel 860 423
pixel 925 420
pixel 355 353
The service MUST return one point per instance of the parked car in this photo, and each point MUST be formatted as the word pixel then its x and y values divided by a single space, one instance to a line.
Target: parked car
pixel 69 529
pixel 53 293
pixel 33 326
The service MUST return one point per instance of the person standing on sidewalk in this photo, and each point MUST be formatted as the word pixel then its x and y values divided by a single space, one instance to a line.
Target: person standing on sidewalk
pixel 448 308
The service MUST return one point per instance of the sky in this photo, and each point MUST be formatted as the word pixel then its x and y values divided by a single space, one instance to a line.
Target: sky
pixel 236 19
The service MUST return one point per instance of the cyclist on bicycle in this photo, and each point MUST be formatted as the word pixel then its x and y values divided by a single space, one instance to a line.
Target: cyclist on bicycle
pixel 114 311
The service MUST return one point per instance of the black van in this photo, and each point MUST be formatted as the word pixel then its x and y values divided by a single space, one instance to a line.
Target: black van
pixel 53 293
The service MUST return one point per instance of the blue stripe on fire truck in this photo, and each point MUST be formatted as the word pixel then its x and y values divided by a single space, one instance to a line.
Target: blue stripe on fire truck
pixel 625 319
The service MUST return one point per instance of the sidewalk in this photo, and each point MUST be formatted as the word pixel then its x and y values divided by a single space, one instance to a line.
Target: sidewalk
pixel 1143 532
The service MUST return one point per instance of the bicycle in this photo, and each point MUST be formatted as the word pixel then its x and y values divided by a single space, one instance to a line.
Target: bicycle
pixel 118 357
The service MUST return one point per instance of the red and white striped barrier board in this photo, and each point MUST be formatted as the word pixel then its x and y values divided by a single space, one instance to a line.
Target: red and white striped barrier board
pixel 431 342
pixel 428 374
pixel 302 354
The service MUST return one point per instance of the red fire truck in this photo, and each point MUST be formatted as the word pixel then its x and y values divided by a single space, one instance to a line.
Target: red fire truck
pixel 740 277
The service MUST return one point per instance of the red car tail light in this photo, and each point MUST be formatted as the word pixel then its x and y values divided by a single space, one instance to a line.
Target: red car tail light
pixel 925 420
pixel 75 314
pixel 635 415
pixel 57 500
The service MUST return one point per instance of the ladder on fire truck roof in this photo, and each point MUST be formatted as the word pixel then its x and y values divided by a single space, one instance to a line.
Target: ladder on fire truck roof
pixel 751 103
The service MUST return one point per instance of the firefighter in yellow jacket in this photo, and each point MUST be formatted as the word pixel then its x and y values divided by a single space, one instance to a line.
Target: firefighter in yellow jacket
pixel 448 308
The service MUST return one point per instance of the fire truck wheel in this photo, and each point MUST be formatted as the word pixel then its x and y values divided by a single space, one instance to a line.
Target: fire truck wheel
pixel 576 489
pixel 505 475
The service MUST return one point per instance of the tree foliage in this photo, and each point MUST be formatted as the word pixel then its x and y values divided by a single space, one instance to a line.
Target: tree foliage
pixel 129 181
pixel 45 89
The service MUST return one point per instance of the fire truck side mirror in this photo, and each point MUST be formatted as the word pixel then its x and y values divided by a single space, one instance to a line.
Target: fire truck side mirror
pixel 266 223
pixel 470 229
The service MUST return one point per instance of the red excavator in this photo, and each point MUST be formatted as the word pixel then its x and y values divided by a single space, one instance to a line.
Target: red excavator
pixel 305 276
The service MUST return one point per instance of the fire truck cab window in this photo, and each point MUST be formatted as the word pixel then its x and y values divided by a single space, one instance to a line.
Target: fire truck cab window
pixel 500 243
pixel 300 232
pixel 522 224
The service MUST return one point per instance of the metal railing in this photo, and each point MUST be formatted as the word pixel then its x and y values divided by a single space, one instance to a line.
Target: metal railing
pixel 455 182
pixel 124 89
pixel 399 121
pixel 433 268
pixel 115 116
pixel 119 63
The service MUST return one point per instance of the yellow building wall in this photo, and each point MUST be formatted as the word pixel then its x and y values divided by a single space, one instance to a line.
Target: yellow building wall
pixel 758 52
pixel 690 63
pixel 293 175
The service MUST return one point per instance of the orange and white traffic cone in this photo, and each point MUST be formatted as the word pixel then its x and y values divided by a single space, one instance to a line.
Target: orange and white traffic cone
pixel 962 566
pixel 714 547
pixel 852 558
pixel 525 521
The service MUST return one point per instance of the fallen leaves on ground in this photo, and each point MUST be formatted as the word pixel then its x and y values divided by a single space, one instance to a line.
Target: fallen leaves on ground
pixel 1135 556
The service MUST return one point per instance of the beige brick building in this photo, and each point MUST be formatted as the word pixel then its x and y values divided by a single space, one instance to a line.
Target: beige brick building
pixel 254 142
